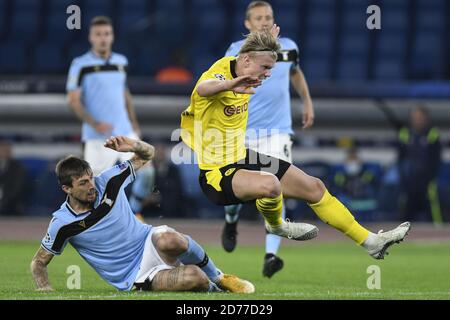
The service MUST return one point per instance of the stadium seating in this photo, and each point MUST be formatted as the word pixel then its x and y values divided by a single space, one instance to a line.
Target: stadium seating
pixel 3 18
pixel 48 59
pixel 13 57
pixel 332 35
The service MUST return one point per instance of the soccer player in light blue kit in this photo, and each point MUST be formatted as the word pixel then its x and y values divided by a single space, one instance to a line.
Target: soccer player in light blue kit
pixel 269 125
pixel 99 97
pixel 96 219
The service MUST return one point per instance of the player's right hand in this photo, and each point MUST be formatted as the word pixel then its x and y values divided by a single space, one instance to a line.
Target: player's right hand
pixel 245 84
pixel 121 143
pixel 103 128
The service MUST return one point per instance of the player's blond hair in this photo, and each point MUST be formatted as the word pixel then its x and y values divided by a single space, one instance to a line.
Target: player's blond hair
pixel 261 41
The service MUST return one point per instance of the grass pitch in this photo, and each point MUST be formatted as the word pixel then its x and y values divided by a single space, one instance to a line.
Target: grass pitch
pixel 312 271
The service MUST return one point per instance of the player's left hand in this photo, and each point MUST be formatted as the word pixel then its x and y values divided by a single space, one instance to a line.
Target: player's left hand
pixel 308 115
pixel 275 30
pixel 120 144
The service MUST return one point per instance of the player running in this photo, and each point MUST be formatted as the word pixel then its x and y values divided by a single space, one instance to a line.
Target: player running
pixel 97 221
pixel 99 97
pixel 214 127
pixel 269 126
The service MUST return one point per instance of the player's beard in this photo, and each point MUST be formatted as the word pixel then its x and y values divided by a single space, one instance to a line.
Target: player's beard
pixel 88 203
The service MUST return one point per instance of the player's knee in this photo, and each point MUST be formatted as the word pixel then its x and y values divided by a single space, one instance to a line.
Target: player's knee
pixel 172 243
pixel 195 279
pixel 271 187
pixel 317 190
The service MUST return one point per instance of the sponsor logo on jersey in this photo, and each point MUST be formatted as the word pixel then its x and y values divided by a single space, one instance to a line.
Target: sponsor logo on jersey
pixel 231 110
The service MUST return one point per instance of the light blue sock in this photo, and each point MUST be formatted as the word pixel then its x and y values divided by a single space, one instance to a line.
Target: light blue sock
pixel 273 242
pixel 142 187
pixel 213 287
pixel 197 256
pixel 232 213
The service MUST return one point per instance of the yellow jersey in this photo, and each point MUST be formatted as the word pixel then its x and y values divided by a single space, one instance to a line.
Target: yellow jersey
pixel 214 127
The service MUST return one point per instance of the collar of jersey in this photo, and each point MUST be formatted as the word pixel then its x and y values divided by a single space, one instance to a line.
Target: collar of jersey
pixel 96 56
pixel 73 211
pixel 233 68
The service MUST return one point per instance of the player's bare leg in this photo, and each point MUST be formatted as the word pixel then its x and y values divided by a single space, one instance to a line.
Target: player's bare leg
pixel 181 278
pixel 174 247
pixel 266 189
pixel 299 185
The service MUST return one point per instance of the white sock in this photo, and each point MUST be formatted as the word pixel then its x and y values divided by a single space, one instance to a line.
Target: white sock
pixel 232 213
pixel 231 218
pixel 370 241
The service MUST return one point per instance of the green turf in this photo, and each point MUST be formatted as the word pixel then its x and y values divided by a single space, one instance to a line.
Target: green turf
pixel 312 271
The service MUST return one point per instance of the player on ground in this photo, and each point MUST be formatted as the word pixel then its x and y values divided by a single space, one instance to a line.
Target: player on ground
pixel 99 97
pixel 269 126
pixel 214 127
pixel 97 221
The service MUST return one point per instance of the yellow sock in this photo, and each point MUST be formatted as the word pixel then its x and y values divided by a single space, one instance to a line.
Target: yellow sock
pixel 271 209
pixel 331 211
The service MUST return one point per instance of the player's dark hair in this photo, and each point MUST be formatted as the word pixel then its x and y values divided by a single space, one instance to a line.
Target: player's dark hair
pixel 101 21
pixel 255 4
pixel 71 168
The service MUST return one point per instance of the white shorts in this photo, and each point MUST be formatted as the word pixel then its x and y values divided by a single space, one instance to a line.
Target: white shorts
pixel 101 158
pixel 151 262
pixel 277 145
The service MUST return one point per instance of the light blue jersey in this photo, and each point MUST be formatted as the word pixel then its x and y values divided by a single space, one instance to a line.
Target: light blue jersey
pixel 270 106
pixel 108 237
pixel 102 84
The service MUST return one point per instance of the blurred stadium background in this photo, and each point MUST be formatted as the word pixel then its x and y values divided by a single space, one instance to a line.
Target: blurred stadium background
pixel 354 73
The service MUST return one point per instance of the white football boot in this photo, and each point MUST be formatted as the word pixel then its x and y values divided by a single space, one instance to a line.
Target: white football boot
pixel 386 239
pixel 294 231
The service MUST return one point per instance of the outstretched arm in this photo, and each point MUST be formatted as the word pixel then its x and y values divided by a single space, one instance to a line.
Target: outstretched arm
pixel 242 84
pixel 143 152
pixel 39 269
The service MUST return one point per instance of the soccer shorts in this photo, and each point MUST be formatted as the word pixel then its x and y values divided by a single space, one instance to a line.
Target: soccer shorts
pixel 151 262
pixel 276 145
pixel 216 184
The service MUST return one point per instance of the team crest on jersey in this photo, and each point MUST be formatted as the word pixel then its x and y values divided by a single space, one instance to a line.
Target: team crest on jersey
pixel 220 76
pixel 122 165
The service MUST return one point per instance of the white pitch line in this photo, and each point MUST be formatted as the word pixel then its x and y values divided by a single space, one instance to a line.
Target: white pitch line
pixel 302 294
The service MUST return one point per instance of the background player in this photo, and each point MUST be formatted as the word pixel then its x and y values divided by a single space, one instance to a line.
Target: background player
pixel 269 126
pixel 97 221
pixel 99 97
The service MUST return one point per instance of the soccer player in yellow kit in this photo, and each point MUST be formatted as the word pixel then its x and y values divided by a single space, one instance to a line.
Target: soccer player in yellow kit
pixel 214 127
